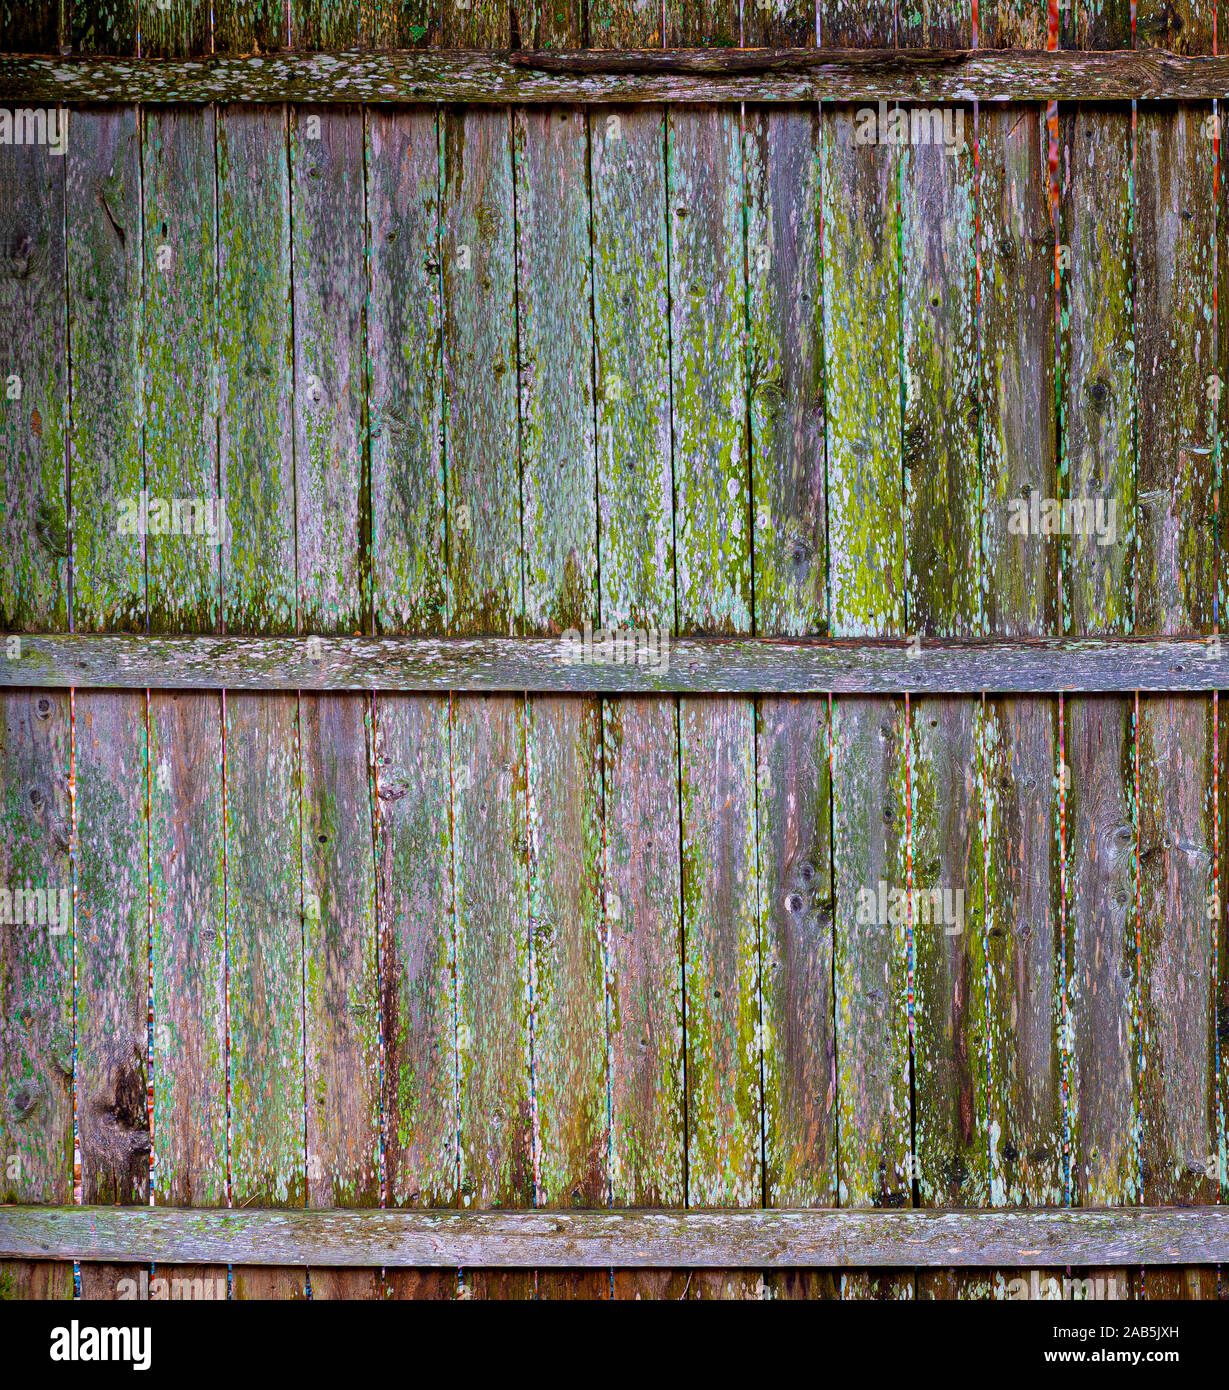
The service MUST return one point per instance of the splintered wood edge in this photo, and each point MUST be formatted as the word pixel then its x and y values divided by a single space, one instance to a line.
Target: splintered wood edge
pixel 706 75
pixel 643 663
pixel 643 1239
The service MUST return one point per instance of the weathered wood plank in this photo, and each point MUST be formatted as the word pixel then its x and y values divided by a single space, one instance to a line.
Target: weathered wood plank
pixel 621 24
pixel 1018 431
pixel 322 24
pixel 547 78
pixel 329 259
pixel 266 967
pixel 476 24
pixel 793 826
pixel 34 373
pixel 398 23
pixel 112 958
pixel 339 952
pixel 104 26
pixel 405 400
pixel 632 363
pixel 857 24
pixel 780 23
pixel 785 356
pixel 866 577
pixel 189 950
pixel 30 26
pixel 480 377
pixel 175 28
pixel 36 972
pixel 554 295
pixel 183 561
pixel 688 665
pixel 414 891
pixel 104 299
pixel 249 26
pixel 256 435
pixel 651 1239
pixel 712 513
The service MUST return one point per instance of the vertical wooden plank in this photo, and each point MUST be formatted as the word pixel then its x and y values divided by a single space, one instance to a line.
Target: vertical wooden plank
pixel 785 386
pixel 866 574
pixel 30 26
pixel 255 369
pixel 329 243
pixel 34 401
pixel 398 23
pixel 548 23
pixel 414 892
pixel 104 296
pixel 714 23
pixel 554 290
pixel 104 26
pixel 175 28
pixel 178 367
pixel 480 377
pixel 794 807
pixel 263 908
pixel 341 1004
pixel 632 333
pixel 1175 274
pixel 857 23
pixel 249 26
pixel 322 25
pixel 36 986
pixel 708 370
pixel 780 23
pixel 866 588
pixel 111 958
pixel 1018 429
pixel 478 24
pixel 403 352
pixel 264 869
pixel 625 23
pixel 639 736
pixel 1011 24
pixel 563 736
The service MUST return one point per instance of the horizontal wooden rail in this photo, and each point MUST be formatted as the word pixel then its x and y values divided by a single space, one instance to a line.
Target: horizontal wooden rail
pixel 600 1239
pixel 584 665
pixel 704 75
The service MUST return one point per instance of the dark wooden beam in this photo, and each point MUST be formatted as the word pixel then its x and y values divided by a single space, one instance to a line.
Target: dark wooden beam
pixel 623 1239
pixel 690 666
pixel 706 75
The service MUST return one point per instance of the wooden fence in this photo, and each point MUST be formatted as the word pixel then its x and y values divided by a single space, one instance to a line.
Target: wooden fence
pixel 612 647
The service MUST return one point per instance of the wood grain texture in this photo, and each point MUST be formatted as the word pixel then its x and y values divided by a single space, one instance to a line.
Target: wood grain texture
pixel 517 1240
pixel 480 379
pixel 329 273
pixel 415 898
pixel 34 424
pixel 405 397
pixel 785 356
pixel 1097 416
pixel 632 364
pixel 780 23
pixel 112 958
pixel 30 26
pixel 105 26
pixel 854 24
pixel 36 984
pixel 866 578
pixel 712 512
pixel 339 945
pixel 547 77
pixel 322 24
pixel 478 24
pixel 175 28
pixel 256 436
pixel 554 294
pixel 189 949
pixel 249 26
pixel 104 297
pixel 178 363
pixel 398 23
pixel 1018 434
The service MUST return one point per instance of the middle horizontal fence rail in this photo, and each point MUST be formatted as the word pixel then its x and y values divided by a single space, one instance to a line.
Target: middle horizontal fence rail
pixel 629 77
pixel 616 663
pixel 630 1239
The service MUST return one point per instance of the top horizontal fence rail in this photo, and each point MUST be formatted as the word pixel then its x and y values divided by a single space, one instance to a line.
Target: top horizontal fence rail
pixel 617 662
pixel 676 76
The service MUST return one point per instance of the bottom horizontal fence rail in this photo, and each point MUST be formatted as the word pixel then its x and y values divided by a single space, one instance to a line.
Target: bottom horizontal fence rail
pixel 620 1239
